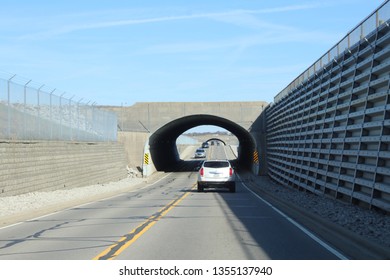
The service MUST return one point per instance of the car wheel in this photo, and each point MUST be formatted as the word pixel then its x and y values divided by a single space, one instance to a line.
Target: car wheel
pixel 232 188
pixel 200 188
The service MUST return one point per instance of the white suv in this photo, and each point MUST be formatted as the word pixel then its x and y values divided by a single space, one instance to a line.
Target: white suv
pixel 216 173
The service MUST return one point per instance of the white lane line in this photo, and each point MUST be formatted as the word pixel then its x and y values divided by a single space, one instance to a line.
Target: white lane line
pixel 82 205
pixel 303 229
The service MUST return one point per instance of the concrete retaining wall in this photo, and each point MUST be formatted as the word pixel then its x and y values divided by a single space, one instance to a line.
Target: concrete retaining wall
pixel 133 143
pixel 44 166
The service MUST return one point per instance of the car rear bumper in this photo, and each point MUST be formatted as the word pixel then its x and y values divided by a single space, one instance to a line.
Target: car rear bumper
pixel 202 185
pixel 216 184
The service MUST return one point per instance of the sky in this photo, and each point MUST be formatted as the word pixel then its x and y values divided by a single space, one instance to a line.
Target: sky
pixel 121 52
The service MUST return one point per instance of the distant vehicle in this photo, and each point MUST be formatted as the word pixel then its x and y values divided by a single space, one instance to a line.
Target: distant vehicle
pixel 216 173
pixel 205 145
pixel 200 153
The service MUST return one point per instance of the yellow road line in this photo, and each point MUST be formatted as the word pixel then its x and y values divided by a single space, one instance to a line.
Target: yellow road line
pixel 117 248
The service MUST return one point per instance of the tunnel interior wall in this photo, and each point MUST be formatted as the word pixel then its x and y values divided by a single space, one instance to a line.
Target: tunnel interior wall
pixel 331 134
pixel 259 133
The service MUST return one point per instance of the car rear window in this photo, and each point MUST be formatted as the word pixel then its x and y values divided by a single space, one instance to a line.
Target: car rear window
pixel 216 164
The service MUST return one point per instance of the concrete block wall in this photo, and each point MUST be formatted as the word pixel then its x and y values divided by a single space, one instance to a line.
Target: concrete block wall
pixel 44 166
pixel 331 134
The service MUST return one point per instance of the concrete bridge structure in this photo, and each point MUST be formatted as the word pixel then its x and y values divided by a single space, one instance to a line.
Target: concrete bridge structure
pixel 164 122
pixel 150 116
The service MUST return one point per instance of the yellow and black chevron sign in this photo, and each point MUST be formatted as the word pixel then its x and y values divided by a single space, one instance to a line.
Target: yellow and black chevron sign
pixel 146 158
pixel 256 157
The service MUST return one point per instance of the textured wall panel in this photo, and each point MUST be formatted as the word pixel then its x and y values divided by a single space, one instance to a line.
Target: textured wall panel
pixel 45 166
pixel 331 134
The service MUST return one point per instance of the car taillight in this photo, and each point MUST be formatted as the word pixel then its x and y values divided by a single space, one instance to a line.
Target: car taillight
pixel 201 171
pixel 230 171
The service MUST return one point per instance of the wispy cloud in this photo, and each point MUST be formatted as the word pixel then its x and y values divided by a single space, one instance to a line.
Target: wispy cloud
pixel 238 17
pixel 243 42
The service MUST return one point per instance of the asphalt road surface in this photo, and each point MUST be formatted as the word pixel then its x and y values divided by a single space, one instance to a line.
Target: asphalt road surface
pixel 167 219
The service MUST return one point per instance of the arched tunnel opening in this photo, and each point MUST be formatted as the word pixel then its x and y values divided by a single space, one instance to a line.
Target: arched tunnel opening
pixel 163 149
pixel 216 139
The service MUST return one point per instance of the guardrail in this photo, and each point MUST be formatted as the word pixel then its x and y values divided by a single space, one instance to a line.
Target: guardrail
pixel 360 32
pixel 31 111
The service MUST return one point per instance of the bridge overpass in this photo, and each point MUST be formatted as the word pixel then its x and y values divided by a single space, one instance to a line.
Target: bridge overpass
pixel 164 122
pixel 150 116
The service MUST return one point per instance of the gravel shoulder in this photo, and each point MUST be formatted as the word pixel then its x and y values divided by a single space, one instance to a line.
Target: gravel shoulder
pixel 18 208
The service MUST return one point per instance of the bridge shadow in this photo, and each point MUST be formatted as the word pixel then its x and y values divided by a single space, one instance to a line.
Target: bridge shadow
pixel 184 166
pixel 261 231
pixel 193 165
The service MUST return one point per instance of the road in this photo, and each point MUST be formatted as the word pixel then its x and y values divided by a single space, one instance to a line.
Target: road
pixel 167 219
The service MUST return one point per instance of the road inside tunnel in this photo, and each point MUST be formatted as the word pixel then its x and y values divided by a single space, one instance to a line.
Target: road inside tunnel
pixel 163 149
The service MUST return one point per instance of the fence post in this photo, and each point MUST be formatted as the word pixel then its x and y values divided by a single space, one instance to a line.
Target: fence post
pixel 39 114
pixel 78 119
pixel 87 136
pixel 93 128
pixel 9 107
pixel 51 114
pixel 24 108
pixel 61 114
pixel 70 118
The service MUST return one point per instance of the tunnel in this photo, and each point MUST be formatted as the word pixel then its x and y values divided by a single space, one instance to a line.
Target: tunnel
pixel 216 139
pixel 162 143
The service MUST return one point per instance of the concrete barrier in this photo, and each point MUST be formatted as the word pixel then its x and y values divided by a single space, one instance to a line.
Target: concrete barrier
pixel 147 164
pixel 45 166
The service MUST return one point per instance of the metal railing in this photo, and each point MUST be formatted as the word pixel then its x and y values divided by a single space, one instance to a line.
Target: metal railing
pixel 368 25
pixel 31 111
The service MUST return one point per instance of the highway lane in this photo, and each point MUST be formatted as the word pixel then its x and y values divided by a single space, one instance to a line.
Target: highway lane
pixel 83 232
pixel 168 219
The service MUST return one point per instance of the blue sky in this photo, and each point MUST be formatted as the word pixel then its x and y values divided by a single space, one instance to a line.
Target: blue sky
pixel 122 52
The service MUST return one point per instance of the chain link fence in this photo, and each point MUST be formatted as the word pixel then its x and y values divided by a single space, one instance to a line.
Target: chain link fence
pixel 29 111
